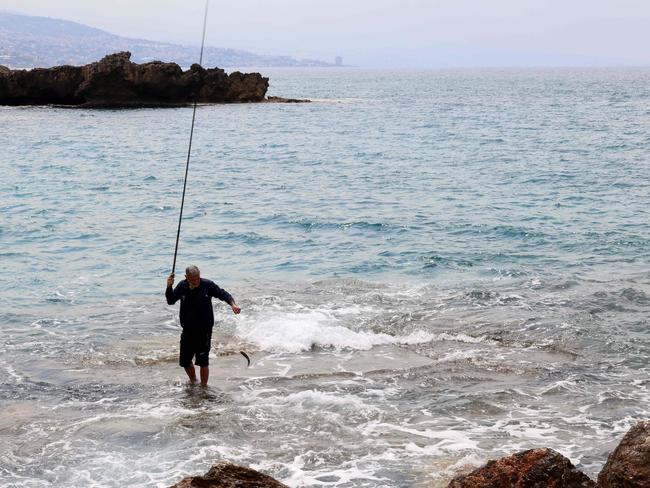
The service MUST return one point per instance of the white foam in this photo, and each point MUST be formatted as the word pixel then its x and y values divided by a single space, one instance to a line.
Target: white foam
pixel 313 397
pixel 323 401
pixel 459 355
pixel 346 473
pixel 302 330
pixel 461 338
pixel 443 440
pixel 561 386
pixel 522 430
pixel 13 374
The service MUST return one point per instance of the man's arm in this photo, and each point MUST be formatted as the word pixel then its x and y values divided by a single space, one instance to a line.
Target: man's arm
pixel 172 295
pixel 224 296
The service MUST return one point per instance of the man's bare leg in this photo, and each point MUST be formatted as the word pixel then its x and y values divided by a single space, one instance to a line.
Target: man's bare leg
pixel 191 373
pixel 205 372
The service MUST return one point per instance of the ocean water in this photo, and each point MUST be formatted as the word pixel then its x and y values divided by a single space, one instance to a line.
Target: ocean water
pixel 435 268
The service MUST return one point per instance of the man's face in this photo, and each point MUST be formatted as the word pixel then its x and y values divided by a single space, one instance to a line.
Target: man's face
pixel 193 279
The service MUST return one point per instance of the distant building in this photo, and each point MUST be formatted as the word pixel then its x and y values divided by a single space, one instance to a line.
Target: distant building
pixel 338 61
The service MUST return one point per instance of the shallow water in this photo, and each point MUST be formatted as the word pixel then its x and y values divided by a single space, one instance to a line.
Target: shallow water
pixel 435 268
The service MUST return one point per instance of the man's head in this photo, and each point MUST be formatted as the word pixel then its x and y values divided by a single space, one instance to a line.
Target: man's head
pixel 193 276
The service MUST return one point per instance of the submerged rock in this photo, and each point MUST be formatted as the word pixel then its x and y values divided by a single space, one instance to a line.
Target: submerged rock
pixel 286 100
pixel 629 465
pixel 115 81
pixel 536 468
pixel 228 475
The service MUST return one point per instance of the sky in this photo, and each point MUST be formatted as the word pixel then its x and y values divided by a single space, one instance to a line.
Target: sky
pixel 385 33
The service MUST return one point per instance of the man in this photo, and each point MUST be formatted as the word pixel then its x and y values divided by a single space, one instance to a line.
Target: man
pixel 197 318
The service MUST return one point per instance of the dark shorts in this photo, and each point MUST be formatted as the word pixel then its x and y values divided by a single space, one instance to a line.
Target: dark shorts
pixel 195 343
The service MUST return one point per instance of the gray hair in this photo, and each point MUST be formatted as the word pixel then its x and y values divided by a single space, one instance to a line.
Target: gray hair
pixel 192 270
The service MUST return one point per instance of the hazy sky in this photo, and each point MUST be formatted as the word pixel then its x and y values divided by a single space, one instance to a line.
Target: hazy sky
pixel 384 33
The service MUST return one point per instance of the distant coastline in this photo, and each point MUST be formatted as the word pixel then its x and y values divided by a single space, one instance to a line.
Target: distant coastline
pixel 27 42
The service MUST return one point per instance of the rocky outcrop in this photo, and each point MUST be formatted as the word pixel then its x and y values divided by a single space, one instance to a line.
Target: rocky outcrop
pixel 286 100
pixel 115 81
pixel 228 475
pixel 538 468
pixel 629 465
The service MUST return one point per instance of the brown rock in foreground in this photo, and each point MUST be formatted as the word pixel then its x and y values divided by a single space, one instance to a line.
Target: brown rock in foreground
pixel 228 475
pixel 629 465
pixel 115 81
pixel 536 468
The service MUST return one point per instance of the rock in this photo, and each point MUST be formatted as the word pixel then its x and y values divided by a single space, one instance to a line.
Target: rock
pixel 41 86
pixel 535 468
pixel 115 81
pixel 286 100
pixel 629 465
pixel 245 88
pixel 228 475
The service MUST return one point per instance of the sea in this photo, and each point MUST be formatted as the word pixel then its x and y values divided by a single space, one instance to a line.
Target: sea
pixel 435 268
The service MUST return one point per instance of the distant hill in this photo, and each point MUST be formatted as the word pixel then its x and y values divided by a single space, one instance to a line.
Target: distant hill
pixel 28 42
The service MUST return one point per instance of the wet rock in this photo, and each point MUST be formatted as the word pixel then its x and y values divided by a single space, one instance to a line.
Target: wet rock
pixel 286 100
pixel 629 465
pixel 115 81
pixel 536 468
pixel 228 475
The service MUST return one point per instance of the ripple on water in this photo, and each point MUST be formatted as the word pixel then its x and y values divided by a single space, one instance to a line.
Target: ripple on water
pixel 430 275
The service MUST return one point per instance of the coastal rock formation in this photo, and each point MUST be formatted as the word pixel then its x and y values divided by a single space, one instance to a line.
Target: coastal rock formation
pixel 536 468
pixel 228 475
pixel 629 465
pixel 115 81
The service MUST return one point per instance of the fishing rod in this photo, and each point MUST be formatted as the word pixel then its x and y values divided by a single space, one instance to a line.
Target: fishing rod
pixel 189 154
pixel 189 148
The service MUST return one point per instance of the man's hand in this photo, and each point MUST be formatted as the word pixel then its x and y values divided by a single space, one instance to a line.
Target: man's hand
pixel 235 308
pixel 170 280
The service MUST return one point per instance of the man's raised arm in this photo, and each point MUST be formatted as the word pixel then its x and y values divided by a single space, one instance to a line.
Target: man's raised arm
pixel 171 295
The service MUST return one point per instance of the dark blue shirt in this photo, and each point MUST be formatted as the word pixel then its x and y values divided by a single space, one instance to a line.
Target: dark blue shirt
pixel 196 305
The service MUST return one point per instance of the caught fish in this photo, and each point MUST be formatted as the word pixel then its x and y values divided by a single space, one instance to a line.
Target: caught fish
pixel 247 358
